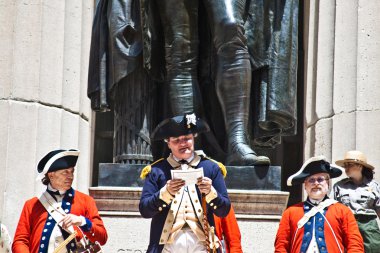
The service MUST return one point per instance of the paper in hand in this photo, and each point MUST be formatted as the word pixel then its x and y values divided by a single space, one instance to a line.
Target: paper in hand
pixel 190 176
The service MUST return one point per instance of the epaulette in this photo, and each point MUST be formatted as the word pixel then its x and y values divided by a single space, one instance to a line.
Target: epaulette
pixel 222 168
pixel 147 169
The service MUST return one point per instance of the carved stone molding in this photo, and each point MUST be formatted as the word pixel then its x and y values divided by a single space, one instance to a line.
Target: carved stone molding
pixel 248 204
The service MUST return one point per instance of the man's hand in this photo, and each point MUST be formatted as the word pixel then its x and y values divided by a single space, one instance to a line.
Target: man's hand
pixel 174 185
pixel 71 220
pixel 204 185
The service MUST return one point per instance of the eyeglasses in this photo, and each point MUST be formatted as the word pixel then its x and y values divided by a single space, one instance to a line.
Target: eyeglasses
pixel 181 139
pixel 320 180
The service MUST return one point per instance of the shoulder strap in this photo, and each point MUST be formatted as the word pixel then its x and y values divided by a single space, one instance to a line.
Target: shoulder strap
pixel 53 207
pixel 314 211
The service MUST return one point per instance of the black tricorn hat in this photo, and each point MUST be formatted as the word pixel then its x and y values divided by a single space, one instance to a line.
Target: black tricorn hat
pixel 179 125
pixel 57 160
pixel 313 166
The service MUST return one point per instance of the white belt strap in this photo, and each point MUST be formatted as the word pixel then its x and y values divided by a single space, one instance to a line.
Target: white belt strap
pixel 319 208
pixel 54 209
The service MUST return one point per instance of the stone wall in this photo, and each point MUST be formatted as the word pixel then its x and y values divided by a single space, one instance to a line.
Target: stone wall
pixel 131 235
pixel 342 78
pixel 43 103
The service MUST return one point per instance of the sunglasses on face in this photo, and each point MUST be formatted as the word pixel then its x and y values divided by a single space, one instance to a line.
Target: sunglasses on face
pixel 320 180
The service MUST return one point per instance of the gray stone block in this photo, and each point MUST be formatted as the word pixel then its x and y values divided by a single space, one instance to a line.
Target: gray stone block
pixel 238 177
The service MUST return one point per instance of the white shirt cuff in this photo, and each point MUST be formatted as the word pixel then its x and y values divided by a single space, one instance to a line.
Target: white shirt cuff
pixel 83 221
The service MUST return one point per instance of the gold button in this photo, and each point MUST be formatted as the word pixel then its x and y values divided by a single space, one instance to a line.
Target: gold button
pixel 160 209
pixel 214 207
pixel 196 201
pixel 172 211
pixel 169 220
pixel 199 210
pixel 193 191
pixel 165 231
pixel 163 205
pixel 212 204
pixel 162 240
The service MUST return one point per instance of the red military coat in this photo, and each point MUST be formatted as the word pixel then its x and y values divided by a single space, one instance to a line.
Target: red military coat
pixel 341 219
pixel 33 218
pixel 227 228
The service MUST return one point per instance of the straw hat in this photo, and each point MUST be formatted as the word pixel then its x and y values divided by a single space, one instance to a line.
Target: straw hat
pixel 355 156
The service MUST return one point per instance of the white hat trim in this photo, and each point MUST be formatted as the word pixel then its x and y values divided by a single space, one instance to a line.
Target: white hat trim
pixel 310 160
pixel 53 159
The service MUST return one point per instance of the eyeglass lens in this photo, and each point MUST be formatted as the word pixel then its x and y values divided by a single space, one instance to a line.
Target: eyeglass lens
pixel 312 180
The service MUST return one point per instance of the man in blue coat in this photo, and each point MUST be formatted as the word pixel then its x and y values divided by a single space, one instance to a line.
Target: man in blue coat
pixel 178 220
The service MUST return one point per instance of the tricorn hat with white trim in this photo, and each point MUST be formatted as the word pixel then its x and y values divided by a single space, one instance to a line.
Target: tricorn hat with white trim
pixel 312 166
pixel 57 160
pixel 178 126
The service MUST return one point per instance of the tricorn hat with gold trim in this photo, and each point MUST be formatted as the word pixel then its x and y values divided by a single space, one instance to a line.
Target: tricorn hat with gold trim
pixel 179 125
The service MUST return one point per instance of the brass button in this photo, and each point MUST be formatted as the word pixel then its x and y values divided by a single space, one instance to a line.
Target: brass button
pixel 192 191
pixel 163 205
pixel 160 209
pixel 196 201
pixel 175 201
pixel 212 204
pixel 165 231
pixel 162 240
pixel 214 207
pixel 199 210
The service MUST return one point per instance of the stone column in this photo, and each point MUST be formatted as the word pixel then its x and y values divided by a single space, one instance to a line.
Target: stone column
pixel 43 103
pixel 342 78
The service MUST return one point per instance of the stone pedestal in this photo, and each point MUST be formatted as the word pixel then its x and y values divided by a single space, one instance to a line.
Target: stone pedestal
pixel 238 177
pixel 255 193
pixel 258 213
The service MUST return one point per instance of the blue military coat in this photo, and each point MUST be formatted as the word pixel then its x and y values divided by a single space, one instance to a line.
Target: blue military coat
pixel 151 206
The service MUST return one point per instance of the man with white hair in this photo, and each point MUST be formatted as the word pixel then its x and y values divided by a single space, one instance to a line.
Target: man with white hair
pixel 318 224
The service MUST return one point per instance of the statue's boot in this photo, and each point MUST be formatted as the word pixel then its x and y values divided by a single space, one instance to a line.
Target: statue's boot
pixel 233 89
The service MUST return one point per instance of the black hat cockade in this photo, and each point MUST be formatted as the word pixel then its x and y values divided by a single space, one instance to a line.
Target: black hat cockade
pixel 178 126
pixel 57 160
pixel 313 166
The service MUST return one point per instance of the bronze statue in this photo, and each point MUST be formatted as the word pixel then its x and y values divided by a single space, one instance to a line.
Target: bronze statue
pixel 197 51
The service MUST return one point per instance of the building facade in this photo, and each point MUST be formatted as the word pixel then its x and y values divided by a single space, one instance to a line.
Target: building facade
pixel 43 101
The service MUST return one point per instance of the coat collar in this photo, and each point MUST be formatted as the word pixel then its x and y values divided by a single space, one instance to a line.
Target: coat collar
pixel 193 163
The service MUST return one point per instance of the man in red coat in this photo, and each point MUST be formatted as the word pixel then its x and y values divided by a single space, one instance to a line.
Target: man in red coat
pixel 227 229
pixel 46 222
pixel 318 224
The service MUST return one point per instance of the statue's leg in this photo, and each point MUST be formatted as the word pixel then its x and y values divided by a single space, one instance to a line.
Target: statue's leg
pixel 233 77
pixel 180 22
